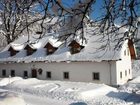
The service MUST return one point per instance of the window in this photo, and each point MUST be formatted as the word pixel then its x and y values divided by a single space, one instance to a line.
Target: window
pixel 66 75
pixel 129 71
pixel 50 50
pixel 96 76
pixel 128 51
pixel 3 72
pixel 120 74
pixel 48 74
pixel 124 52
pixel 75 50
pixel 12 73
pixel 25 74
pixel 125 72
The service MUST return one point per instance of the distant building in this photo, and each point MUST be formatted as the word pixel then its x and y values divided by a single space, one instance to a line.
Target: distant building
pixel 93 61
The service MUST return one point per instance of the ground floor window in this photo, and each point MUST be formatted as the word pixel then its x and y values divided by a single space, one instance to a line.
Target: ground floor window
pixel 66 75
pixel 12 73
pixel 25 74
pixel 96 76
pixel 48 74
pixel 3 72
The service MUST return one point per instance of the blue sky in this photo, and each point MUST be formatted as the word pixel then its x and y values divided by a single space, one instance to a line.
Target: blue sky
pixel 97 11
pixel 97 7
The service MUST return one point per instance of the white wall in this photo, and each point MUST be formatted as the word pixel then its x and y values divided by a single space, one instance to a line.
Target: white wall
pixel 113 72
pixel 78 71
pixel 124 65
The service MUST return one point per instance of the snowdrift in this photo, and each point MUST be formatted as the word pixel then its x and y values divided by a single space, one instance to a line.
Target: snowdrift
pixel 9 98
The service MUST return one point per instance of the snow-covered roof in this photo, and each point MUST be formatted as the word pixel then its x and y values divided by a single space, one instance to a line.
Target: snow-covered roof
pixel 96 48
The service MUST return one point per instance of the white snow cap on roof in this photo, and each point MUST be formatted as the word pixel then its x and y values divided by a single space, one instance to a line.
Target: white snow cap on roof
pixel 97 48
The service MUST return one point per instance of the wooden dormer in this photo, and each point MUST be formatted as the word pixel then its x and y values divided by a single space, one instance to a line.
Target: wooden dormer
pixel 12 51
pixel 50 49
pixel 75 47
pixel 29 50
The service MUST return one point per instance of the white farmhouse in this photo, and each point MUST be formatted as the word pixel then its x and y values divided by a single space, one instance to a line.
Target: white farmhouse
pixel 96 60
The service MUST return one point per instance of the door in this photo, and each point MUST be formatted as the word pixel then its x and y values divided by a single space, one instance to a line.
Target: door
pixel 34 73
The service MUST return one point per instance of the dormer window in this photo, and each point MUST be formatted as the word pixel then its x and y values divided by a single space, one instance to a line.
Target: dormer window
pixel 12 51
pixel 75 47
pixel 39 32
pixel 29 50
pixel 50 49
pixel 79 49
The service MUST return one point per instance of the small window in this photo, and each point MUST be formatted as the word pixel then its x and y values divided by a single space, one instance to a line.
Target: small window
pixel 120 74
pixel 75 50
pixel 48 74
pixel 25 74
pixel 12 73
pixel 129 71
pixel 125 72
pixel 50 50
pixel 96 76
pixel 66 75
pixel 3 72
pixel 124 52
pixel 128 51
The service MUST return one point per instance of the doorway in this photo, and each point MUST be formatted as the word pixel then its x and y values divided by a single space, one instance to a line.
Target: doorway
pixel 34 73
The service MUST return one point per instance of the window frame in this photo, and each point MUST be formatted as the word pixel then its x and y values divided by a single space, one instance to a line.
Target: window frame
pixel 125 52
pixel 25 72
pixel 66 75
pixel 4 72
pixel 48 74
pixel 129 71
pixel 121 74
pixel 125 72
pixel 12 73
pixel 96 76
pixel 128 52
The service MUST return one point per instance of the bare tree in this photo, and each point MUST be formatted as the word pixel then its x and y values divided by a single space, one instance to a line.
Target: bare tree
pixel 21 16
pixel 13 17
pixel 117 14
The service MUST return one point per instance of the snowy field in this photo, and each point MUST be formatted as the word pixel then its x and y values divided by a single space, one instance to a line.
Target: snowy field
pixel 18 91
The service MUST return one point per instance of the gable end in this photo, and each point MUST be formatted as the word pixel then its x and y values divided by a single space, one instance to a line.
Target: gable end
pixel 132 49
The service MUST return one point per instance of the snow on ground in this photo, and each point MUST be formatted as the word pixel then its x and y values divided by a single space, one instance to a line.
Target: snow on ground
pixel 136 68
pixel 132 86
pixel 132 89
pixel 17 91
pixel 44 92
pixel 58 89
pixel 9 98
pixel 6 81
